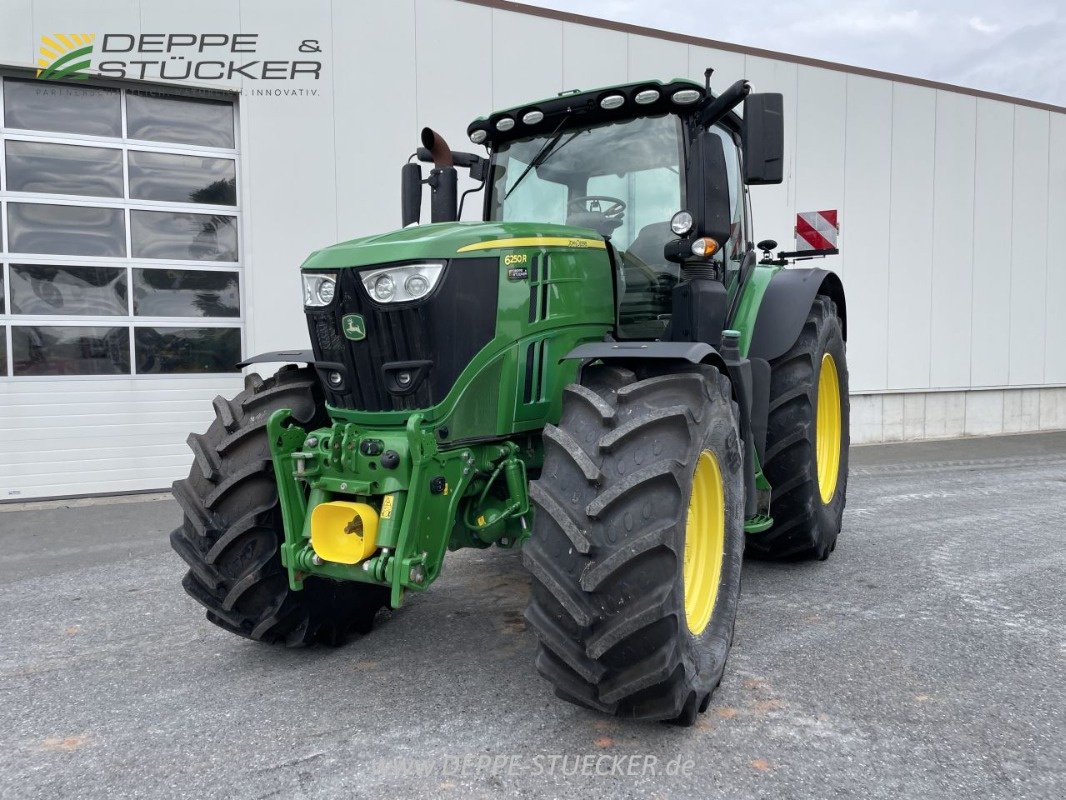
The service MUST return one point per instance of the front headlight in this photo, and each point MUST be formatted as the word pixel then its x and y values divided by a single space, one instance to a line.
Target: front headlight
pixel 402 284
pixel 319 290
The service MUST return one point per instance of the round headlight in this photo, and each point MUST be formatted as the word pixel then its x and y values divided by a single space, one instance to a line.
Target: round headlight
pixel 326 290
pixel 681 223
pixel 532 117
pixel 686 96
pixel 504 124
pixel 647 96
pixel 612 101
pixel 417 285
pixel 478 136
pixel 384 288
pixel 319 290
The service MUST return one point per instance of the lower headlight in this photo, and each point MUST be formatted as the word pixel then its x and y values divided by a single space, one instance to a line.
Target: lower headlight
pixel 402 284
pixel 319 289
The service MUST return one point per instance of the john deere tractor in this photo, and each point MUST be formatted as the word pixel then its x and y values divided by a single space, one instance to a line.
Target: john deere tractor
pixel 602 372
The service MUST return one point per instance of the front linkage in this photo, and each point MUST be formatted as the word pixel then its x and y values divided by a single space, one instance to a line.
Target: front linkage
pixel 406 500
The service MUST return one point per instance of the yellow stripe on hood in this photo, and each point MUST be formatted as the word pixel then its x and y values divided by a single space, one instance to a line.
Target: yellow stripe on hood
pixel 536 241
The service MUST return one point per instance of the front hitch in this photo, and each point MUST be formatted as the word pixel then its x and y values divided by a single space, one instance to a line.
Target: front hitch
pixel 336 484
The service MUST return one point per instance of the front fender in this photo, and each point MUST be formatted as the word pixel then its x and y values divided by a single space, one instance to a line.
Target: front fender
pixel 280 357
pixel 325 370
pixel 691 352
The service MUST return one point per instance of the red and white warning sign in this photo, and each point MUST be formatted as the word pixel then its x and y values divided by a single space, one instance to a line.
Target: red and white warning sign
pixel 817 230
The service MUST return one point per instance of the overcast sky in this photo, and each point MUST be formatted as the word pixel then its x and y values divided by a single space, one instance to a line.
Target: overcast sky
pixel 1016 47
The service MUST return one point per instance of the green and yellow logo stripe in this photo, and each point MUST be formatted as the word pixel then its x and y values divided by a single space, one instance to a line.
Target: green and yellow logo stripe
pixel 536 241
pixel 65 56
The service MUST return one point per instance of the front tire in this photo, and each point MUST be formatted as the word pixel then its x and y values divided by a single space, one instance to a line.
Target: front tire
pixel 639 477
pixel 807 442
pixel 232 529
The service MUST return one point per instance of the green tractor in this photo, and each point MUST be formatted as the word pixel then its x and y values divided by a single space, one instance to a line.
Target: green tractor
pixel 602 372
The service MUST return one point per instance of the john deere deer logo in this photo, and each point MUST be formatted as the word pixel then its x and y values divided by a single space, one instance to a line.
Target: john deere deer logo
pixel 354 327
pixel 65 56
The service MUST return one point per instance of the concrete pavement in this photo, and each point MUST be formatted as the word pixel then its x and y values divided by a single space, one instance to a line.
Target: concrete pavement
pixel 926 658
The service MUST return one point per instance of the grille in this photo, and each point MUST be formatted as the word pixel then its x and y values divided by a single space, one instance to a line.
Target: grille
pixel 447 330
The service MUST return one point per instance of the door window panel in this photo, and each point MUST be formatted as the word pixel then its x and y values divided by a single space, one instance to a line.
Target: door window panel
pixel 62 108
pixel 652 197
pixel 173 351
pixel 737 245
pixel 66 230
pixel 183 236
pixel 181 120
pixel 185 293
pixel 183 179
pixel 82 291
pixel 64 169
pixel 61 350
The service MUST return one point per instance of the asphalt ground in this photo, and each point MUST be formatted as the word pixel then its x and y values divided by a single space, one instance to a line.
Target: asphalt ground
pixel 925 659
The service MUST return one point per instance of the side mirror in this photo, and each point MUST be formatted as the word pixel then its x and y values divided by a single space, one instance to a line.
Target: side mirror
pixel 410 194
pixel 763 139
pixel 714 218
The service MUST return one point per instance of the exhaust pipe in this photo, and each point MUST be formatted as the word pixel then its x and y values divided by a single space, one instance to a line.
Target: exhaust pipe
pixel 443 179
pixel 438 148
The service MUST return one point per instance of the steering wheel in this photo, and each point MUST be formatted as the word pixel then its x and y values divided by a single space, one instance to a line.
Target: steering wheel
pixel 613 211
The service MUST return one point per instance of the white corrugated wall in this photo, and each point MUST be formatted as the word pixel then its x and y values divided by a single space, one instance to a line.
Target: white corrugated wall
pixel 947 204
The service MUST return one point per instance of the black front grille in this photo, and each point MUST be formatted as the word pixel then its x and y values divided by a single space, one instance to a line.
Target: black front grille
pixel 447 330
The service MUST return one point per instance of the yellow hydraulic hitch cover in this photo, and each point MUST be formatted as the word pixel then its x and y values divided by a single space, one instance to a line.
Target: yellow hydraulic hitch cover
pixel 343 532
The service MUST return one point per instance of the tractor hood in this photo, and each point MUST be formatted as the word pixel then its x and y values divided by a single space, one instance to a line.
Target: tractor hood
pixel 446 240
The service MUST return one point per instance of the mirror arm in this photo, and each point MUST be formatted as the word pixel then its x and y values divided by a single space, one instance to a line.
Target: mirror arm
pixel 724 103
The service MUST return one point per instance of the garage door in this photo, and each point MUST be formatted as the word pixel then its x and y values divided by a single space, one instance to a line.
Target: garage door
pixel 121 309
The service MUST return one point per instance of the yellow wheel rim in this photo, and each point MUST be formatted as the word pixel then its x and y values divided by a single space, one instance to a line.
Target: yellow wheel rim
pixel 827 429
pixel 704 542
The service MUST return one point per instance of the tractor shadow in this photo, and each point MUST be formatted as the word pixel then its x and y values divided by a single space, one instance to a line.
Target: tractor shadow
pixel 463 650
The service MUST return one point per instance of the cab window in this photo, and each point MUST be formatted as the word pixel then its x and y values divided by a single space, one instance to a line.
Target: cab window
pixel 622 180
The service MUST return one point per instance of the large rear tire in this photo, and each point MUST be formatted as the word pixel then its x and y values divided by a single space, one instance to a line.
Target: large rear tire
pixel 637 542
pixel 232 531
pixel 807 442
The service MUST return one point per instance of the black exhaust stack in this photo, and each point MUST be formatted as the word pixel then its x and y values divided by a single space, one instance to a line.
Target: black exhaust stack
pixel 443 179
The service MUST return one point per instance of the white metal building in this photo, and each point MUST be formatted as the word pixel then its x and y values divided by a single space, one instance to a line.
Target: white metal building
pixel 148 239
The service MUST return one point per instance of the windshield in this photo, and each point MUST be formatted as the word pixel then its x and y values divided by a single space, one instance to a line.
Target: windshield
pixel 636 162
pixel 622 179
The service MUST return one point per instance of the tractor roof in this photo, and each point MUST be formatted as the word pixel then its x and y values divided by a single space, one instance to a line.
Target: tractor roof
pixel 622 101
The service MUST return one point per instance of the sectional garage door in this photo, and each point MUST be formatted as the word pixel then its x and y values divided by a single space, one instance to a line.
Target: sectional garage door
pixel 121 304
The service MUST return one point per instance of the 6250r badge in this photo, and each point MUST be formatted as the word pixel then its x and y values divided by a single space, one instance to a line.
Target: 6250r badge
pixel 514 272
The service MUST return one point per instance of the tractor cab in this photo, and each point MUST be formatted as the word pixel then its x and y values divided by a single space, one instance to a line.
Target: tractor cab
pixel 657 169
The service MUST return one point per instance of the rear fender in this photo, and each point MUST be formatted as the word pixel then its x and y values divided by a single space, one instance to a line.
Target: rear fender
pixel 785 306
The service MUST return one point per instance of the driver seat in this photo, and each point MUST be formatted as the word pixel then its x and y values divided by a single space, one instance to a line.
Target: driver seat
pixel 650 243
